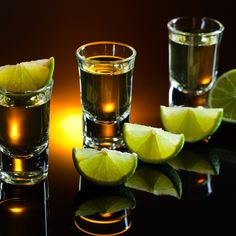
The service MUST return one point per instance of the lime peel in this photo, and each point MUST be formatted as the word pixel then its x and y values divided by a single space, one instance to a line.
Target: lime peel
pixel 27 76
pixel 105 167
pixel 153 145
pixel 196 123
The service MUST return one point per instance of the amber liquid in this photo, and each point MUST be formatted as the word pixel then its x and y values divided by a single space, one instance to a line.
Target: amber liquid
pixel 106 98
pixel 23 130
pixel 193 68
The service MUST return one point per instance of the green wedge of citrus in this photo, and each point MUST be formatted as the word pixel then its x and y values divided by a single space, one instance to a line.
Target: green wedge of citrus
pixel 26 76
pixel 156 179
pixel 223 95
pixel 195 161
pixel 104 167
pixel 195 123
pixel 103 201
pixel 153 145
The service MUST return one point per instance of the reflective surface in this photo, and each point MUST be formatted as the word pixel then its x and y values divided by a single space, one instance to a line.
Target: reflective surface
pixel 56 28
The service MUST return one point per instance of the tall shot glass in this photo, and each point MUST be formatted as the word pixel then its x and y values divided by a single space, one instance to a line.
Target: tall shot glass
pixel 193 58
pixel 24 135
pixel 106 75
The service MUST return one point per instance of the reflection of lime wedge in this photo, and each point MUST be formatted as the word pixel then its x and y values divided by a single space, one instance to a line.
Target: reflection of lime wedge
pixel 195 123
pixel 105 167
pixel 195 161
pixel 159 180
pixel 152 145
pixel 97 199
pixel 223 95
pixel 26 76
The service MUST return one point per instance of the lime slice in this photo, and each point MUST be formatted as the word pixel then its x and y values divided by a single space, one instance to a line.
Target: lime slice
pixel 105 167
pixel 158 180
pixel 194 161
pixel 89 202
pixel 223 95
pixel 26 76
pixel 195 123
pixel 153 145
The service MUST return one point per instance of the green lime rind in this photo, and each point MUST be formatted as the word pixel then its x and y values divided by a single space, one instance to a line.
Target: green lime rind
pixel 195 161
pixel 153 145
pixel 27 76
pixel 195 123
pixel 223 95
pixel 105 202
pixel 156 179
pixel 105 167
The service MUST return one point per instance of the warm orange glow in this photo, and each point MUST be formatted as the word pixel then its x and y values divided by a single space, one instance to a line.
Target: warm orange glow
pixel 206 80
pixel 66 129
pixel 14 130
pixel 108 107
pixel 17 210
pixel 18 164
pixel 201 180
pixel 105 215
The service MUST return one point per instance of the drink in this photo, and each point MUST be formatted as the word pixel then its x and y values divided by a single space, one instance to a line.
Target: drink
pixel 106 75
pixel 105 112
pixel 19 134
pixel 193 68
pixel 193 58
pixel 24 135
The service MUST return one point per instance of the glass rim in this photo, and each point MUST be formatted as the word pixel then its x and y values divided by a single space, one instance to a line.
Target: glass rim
pixel 29 92
pixel 83 58
pixel 210 33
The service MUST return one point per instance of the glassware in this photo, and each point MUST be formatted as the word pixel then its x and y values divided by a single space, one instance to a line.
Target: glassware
pixel 193 57
pixel 106 75
pixel 24 135
pixel 24 209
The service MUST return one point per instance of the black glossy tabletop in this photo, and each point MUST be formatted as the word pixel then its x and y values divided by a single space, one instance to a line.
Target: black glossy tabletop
pixel 34 30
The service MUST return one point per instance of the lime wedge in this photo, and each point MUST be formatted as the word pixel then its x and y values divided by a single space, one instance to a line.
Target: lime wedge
pixel 104 167
pixel 158 180
pixel 195 161
pixel 223 95
pixel 26 76
pixel 195 123
pixel 89 202
pixel 153 145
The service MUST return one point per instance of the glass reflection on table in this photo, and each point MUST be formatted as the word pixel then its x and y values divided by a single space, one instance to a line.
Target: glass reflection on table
pixel 103 210
pixel 24 209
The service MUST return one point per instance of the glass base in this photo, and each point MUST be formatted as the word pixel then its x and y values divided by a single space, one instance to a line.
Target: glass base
pixel 100 135
pixel 24 171
pixel 178 98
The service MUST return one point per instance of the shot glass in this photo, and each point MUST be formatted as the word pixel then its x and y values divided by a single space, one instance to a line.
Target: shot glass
pixel 193 58
pixel 106 75
pixel 24 134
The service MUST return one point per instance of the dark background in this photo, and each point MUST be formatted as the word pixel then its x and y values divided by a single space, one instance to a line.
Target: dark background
pixel 31 30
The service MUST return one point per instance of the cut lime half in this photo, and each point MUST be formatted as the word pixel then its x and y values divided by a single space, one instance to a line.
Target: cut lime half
pixel 26 76
pixel 104 167
pixel 196 123
pixel 153 145
pixel 223 95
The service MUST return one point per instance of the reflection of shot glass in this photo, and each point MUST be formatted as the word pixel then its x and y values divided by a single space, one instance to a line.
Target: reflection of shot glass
pixel 103 210
pixel 24 130
pixel 106 74
pixel 193 58
pixel 24 210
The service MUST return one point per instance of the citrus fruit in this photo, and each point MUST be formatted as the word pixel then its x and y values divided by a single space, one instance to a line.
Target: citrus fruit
pixel 194 161
pixel 105 167
pixel 102 201
pixel 156 179
pixel 26 76
pixel 153 145
pixel 196 123
pixel 223 95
